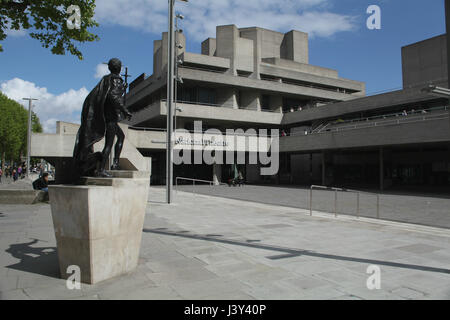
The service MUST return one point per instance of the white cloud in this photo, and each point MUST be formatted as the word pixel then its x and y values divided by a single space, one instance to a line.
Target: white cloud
pixel 65 107
pixel 202 17
pixel 101 70
pixel 15 33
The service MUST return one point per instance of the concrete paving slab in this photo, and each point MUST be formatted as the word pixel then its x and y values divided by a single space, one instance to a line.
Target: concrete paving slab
pixel 214 248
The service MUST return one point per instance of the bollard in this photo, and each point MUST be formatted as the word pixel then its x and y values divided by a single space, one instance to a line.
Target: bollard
pixel 357 205
pixel 310 201
pixel 378 206
pixel 335 203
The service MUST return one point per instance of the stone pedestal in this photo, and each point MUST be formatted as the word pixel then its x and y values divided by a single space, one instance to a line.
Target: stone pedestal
pixel 98 226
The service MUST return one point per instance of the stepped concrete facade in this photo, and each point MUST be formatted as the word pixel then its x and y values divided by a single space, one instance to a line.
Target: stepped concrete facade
pixel 330 132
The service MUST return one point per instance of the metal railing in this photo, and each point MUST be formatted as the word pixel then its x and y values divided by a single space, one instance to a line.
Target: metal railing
pixel 210 183
pixel 389 122
pixel 430 115
pixel 336 190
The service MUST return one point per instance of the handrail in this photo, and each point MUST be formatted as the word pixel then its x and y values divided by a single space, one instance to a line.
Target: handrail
pixel 386 122
pixel 191 179
pixel 211 183
pixel 335 189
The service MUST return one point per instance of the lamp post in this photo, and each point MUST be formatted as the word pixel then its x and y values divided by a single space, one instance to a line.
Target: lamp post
pixel 30 102
pixel 170 100
pixel 178 62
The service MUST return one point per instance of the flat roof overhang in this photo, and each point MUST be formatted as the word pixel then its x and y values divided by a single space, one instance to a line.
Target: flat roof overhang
pixel 262 85
pixel 429 131
pixel 372 103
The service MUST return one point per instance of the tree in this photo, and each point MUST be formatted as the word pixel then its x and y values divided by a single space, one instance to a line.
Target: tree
pixel 48 21
pixel 36 125
pixel 13 128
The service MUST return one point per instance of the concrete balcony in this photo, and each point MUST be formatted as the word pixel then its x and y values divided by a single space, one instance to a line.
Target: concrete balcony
pixel 208 112
pixel 205 61
pixel 430 129
pixel 261 85
pixel 313 79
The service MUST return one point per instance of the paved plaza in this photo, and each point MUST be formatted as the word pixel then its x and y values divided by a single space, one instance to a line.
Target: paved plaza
pixel 205 247
pixel 418 209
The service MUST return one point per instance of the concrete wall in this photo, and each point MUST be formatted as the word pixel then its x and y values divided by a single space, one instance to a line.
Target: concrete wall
pixel 425 62
pixel 248 115
pixel 245 55
pixel 396 134
pixel 209 47
pixel 311 77
pixel 227 97
pixel 253 36
pixel 302 67
pixel 66 127
pixel 276 103
pixel 226 44
pixel 377 102
pixel 160 51
pixel 301 165
pixel 250 99
pixel 295 47
pixel 202 60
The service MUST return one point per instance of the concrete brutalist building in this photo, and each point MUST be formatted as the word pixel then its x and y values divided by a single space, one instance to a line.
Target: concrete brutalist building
pixel 239 70
pixel 331 132
pixel 335 135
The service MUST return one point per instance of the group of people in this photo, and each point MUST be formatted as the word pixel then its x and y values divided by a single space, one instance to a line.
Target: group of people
pixel 237 181
pixel 13 172
pixel 18 172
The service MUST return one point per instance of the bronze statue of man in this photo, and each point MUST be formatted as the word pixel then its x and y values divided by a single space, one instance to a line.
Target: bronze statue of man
pixel 102 110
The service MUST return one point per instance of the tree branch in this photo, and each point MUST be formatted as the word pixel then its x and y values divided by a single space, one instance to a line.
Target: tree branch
pixel 19 6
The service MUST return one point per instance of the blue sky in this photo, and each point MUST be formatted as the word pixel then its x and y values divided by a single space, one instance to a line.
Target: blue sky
pixel 339 40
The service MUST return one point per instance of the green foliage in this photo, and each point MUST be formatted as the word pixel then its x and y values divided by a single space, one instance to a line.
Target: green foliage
pixel 36 126
pixel 13 128
pixel 48 21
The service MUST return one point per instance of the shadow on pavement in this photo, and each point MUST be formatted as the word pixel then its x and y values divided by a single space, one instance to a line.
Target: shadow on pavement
pixel 43 261
pixel 291 253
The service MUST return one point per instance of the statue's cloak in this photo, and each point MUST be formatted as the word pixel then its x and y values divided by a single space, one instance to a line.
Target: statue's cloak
pixel 93 125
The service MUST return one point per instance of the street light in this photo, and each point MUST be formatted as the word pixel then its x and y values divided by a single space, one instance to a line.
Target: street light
pixel 170 100
pixel 30 102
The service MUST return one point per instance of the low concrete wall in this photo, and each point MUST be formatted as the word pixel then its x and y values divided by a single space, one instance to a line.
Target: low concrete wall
pixel 22 196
